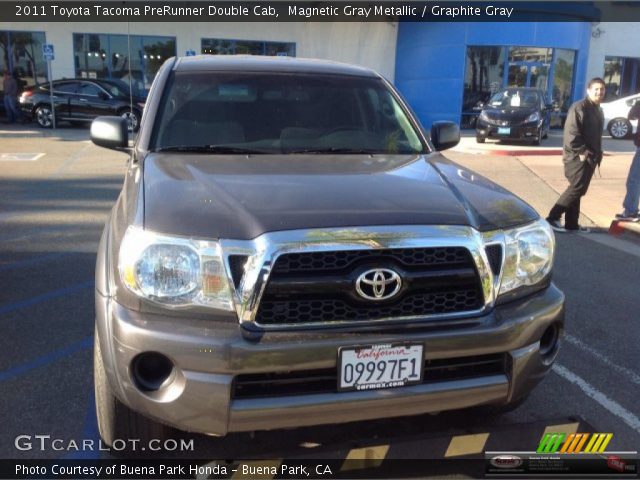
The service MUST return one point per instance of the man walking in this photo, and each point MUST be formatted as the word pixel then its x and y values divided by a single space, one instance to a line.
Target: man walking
pixel 10 87
pixel 631 199
pixel 582 153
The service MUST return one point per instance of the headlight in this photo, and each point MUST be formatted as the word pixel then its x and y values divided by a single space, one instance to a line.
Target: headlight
pixel 528 256
pixel 484 116
pixel 534 117
pixel 172 271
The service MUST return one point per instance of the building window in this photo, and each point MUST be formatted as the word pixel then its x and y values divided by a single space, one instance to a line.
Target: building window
pixel 221 46
pixel 563 67
pixel 484 74
pixel 135 60
pixel 621 77
pixel 21 55
pixel 491 68
pixel 530 54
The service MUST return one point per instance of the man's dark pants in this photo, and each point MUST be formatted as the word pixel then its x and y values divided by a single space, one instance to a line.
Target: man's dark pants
pixel 579 175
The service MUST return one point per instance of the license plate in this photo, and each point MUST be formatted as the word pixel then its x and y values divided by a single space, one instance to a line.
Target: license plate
pixel 504 131
pixel 373 367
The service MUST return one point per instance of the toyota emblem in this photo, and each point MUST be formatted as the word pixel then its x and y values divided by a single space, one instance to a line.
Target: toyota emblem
pixel 378 284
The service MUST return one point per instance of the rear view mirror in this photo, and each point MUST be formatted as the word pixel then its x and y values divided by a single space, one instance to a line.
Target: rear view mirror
pixel 110 132
pixel 445 135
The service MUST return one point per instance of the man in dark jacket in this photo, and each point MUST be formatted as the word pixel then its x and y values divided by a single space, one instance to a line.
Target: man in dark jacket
pixel 582 153
pixel 10 89
pixel 632 198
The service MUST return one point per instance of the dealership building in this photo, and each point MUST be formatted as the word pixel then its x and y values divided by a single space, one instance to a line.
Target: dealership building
pixel 442 69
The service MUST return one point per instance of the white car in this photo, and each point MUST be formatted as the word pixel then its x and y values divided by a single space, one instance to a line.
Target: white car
pixel 615 116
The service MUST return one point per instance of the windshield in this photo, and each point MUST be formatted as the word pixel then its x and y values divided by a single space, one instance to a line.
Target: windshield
pixel 277 113
pixel 515 99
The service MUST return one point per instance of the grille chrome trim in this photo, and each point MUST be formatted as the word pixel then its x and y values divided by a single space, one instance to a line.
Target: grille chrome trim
pixel 263 251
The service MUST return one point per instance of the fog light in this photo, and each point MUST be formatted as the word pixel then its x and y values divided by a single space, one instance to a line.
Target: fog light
pixel 150 370
pixel 549 343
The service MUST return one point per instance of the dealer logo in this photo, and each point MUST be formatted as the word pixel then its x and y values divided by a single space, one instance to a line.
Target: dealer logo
pixel 506 461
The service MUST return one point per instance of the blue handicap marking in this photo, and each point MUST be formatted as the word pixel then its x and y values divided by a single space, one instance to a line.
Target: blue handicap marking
pixel 190 53
pixel 48 51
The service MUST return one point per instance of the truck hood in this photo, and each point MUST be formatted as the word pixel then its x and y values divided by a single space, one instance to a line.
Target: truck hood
pixel 241 197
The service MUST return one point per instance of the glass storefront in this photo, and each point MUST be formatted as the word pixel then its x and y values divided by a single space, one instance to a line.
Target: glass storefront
pixel 21 54
pixel 562 84
pixel 115 57
pixel 621 76
pixel 221 46
pixel 491 68
pixel 484 75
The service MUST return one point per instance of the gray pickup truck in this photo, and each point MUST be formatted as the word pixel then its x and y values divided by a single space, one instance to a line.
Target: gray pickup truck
pixel 289 249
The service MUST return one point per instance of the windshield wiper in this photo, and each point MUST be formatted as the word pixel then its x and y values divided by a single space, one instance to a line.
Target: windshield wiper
pixel 336 150
pixel 208 149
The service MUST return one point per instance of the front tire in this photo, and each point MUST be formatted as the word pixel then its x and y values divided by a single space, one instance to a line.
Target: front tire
pixel 43 116
pixel 115 419
pixel 619 128
pixel 132 117
pixel 480 139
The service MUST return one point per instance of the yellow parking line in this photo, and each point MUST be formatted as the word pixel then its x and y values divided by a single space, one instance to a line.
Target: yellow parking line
pixel 260 469
pixel 369 457
pixel 466 444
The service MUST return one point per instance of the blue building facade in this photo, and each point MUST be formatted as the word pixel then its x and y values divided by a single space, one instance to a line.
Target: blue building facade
pixel 445 70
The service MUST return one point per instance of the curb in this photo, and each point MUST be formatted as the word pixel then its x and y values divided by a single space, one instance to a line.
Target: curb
pixel 513 153
pixel 21 134
pixel 519 153
pixel 624 229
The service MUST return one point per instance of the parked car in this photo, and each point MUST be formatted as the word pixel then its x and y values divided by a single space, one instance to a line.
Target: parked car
pixel 79 101
pixel 615 117
pixel 289 249
pixel 515 114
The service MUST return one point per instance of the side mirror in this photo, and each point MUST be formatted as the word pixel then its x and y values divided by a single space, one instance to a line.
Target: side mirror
pixel 103 96
pixel 110 132
pixel 445 135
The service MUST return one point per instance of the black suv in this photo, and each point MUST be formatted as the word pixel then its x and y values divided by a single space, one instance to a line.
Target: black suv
pixel 79 101
pixel 289 248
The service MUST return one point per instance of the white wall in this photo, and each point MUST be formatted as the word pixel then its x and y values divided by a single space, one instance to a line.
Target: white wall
pixel 614 39
pixel 369 44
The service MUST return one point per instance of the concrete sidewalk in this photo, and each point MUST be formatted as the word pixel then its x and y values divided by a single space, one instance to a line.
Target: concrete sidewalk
pixel 31 130
pixel 536 174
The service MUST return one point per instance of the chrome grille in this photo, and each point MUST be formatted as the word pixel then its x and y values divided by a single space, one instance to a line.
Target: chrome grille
pixel 412 257
pixel 494 254
pixel 318 287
